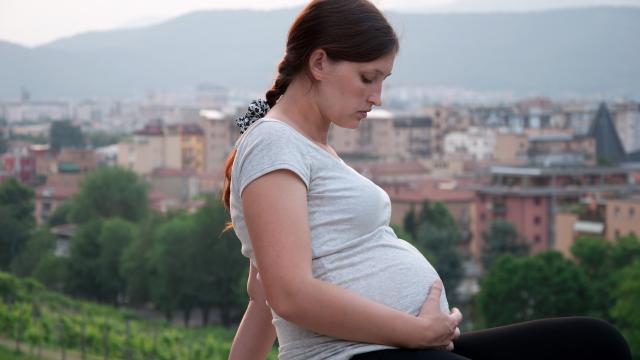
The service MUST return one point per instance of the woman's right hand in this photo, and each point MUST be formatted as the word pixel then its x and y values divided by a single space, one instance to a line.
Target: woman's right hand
pixel 440 328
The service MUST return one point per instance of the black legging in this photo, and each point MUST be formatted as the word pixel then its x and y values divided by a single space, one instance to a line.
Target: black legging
pixel 548 339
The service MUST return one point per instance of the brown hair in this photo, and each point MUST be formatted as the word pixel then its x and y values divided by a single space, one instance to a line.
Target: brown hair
pixel 347 30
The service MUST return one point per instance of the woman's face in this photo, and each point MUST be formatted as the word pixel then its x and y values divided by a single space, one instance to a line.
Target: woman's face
pixel 348 90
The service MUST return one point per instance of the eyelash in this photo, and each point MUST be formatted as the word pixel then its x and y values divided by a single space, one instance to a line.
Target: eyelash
pixel 365 80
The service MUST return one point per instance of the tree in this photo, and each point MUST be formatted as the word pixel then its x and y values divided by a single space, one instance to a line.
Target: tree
pixel 134 263
pixel 625 312
pixel 110 192
pixel 115 236
pixel 64 134
pixel 518 289
pixel 438 234
pixel 602 262
pixel 502 238
pixel 594 254
pixel 172 284
pixel 409 222
pixel 82 273
pixel 52 271
pixel 40 244
pixel 217 263
pixel 16 219
pixel 60 215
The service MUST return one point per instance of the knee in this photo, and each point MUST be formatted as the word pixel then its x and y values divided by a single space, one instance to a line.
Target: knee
pixel 601 334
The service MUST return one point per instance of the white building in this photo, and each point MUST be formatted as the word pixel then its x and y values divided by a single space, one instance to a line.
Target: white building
pixel 475 143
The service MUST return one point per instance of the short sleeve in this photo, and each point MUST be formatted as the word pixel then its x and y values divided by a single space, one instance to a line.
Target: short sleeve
pixel 268 146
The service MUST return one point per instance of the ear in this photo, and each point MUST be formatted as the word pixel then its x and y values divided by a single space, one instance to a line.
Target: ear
pixel 318 64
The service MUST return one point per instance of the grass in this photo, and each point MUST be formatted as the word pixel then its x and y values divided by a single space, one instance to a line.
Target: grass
pixel 6 354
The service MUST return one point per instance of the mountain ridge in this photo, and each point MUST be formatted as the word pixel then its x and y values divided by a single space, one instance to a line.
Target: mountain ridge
pixel 580 50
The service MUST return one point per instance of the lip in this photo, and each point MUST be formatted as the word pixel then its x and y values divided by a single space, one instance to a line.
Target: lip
pixel 362 114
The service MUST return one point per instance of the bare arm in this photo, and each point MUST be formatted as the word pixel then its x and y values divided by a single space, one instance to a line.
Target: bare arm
pixel 275 210
pixel 255 336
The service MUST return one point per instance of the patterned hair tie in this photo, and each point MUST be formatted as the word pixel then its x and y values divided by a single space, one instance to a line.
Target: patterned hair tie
pixel 257 110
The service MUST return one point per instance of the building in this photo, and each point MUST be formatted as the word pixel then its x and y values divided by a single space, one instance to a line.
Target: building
pixel 220 134
pixel 191 145
pixel 475 143
pixel 622 217
pixel 627 120
pixel 18 162
pixel 182 185
pixel 411 195
pixel 150 148
pixel 413 136
pixel 49 197
pixel 530 197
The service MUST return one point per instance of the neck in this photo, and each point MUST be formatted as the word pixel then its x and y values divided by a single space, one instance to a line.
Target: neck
pixel 298 108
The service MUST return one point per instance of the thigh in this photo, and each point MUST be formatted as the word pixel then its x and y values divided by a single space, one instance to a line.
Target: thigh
pixel 408 354
pixel 548 339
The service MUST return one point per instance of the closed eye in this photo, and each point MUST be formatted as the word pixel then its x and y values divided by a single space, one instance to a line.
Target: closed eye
pixel 366 80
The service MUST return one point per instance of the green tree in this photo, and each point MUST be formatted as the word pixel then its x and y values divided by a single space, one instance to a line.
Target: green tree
pixel 40 244
pixel 115 236
pixel 60 215
pixel 438 234
pixel 103 138
pixel 594 255
pixel 602 261
pixel 52 271
pixel 409 222
pixel 64 134
pixel 626 311
pixel 518 289
pixel 16 219
pixel 110 192
pixel 501 239
pixel 216 263
pixel 134 263
pixel 83 270
pixel 172 285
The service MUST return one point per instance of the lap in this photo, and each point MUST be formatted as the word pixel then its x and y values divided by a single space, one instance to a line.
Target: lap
pixel 547 339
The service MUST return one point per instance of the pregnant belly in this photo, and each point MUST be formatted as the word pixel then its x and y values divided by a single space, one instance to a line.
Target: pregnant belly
pixel 387 270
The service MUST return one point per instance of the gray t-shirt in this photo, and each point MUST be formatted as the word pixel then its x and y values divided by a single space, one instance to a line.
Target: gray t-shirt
pixel 351 242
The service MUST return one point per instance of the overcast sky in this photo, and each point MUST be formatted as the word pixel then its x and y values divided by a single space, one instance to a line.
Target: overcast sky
pixel 35 22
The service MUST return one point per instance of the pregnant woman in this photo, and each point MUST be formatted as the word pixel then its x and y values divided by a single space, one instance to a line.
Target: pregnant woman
pixel 328 276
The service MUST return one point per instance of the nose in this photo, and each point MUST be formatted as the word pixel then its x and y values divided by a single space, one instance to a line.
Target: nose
pixel 376 97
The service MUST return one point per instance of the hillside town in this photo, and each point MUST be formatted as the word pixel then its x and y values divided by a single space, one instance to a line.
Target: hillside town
pixel 555 170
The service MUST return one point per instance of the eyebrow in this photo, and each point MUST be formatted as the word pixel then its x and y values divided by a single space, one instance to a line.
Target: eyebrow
pixel 382 73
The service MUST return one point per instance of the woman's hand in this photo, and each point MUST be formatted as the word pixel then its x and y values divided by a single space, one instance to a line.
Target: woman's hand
pixel 440 329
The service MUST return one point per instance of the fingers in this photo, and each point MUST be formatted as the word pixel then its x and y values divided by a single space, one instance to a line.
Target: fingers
pixel 456 316
pixel 456 334
pixel 434 295
pixel 449 346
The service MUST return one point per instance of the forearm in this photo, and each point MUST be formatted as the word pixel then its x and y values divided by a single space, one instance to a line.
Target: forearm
pixel 255 336
pixel 331 310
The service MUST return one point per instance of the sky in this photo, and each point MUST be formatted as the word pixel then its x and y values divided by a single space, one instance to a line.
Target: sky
pixel 36 22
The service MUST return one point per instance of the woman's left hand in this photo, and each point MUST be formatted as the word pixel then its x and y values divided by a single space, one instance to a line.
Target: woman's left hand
pixel 450 346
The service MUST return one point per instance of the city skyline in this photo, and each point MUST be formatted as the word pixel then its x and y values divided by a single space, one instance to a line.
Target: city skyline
pixel 33 23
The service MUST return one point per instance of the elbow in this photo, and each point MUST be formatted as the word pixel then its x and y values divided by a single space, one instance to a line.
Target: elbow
pixel 287 302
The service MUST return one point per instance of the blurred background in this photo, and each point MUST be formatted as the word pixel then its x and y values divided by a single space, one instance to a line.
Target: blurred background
pixel 508 142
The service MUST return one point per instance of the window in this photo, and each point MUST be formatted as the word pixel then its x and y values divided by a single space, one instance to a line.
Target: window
pixel 483 217
pixel 617 233
pixel 537 220
pixel 537 239
pixel 616 211
pixel 632 212
pixel 537 201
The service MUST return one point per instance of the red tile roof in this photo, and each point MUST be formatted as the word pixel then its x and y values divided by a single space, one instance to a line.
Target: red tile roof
pixel 430 190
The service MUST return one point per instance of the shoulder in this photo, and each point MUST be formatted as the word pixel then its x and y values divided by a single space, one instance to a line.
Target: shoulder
pixel 269 145
pixel 265 128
